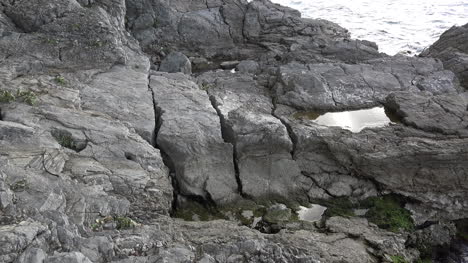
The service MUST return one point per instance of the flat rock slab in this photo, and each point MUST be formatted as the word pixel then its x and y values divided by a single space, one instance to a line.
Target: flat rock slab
pixel 190 134
pixel 445 114
pixel 341 86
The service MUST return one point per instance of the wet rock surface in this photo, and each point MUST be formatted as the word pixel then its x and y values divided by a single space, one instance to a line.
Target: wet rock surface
pixel 97 151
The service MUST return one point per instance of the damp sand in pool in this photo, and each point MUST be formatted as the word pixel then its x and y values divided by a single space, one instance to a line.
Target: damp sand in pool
pixel 354 121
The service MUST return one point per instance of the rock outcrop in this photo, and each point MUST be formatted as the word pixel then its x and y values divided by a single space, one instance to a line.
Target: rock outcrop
pixel 98 151
pixel 452 50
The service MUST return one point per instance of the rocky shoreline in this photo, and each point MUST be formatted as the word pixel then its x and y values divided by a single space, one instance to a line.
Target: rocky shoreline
pixel 184 131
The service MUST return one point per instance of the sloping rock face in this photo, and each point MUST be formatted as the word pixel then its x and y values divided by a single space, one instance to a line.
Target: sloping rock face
pixel 97 150
pixel 452 50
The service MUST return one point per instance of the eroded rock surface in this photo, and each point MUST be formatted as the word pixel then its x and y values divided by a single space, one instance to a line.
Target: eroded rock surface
pixel 97 150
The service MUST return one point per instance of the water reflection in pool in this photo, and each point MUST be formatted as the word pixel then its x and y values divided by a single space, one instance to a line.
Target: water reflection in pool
pixel 354 121
pixel 312 213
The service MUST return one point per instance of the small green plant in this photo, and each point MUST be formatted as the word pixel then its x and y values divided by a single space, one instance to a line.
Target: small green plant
pixel 51 41
pixel 398 259
pixel 387 212
pixel 28 97
pixel 206 86
pixel 95 226
pixel 7 96
pixel 60 80
pixel 125 223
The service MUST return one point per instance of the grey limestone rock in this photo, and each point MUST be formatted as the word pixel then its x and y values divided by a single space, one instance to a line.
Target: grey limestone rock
pixel 189 132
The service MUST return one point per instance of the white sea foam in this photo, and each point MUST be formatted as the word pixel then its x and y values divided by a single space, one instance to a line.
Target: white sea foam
pixel 395 25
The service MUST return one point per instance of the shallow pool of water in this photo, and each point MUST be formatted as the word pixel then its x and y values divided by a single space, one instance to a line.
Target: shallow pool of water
pixel 354 121
pixel 312 214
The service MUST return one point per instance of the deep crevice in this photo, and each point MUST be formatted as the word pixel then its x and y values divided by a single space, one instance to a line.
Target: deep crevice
pixel 291 134
pixel 317 184
pixel 228 137
pixel 158 112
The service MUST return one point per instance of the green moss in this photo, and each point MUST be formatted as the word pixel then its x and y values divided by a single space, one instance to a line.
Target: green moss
pixel 398 259
pixel 388 213
pixel 60 80
pixel 340 206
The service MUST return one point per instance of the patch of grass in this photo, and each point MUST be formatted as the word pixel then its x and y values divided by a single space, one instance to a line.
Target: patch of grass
pixel 7 96
pixel 27 97
pixel 398 259
pixel 387 212
pixel 60 80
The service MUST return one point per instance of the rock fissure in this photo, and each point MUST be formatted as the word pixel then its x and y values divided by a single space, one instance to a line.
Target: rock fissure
pixel 229 137
pixel 168 162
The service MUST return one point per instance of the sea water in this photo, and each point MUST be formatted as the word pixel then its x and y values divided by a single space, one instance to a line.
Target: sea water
pixel 396 26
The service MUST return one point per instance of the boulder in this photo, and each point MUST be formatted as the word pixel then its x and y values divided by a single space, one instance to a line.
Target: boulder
pixel 452 50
